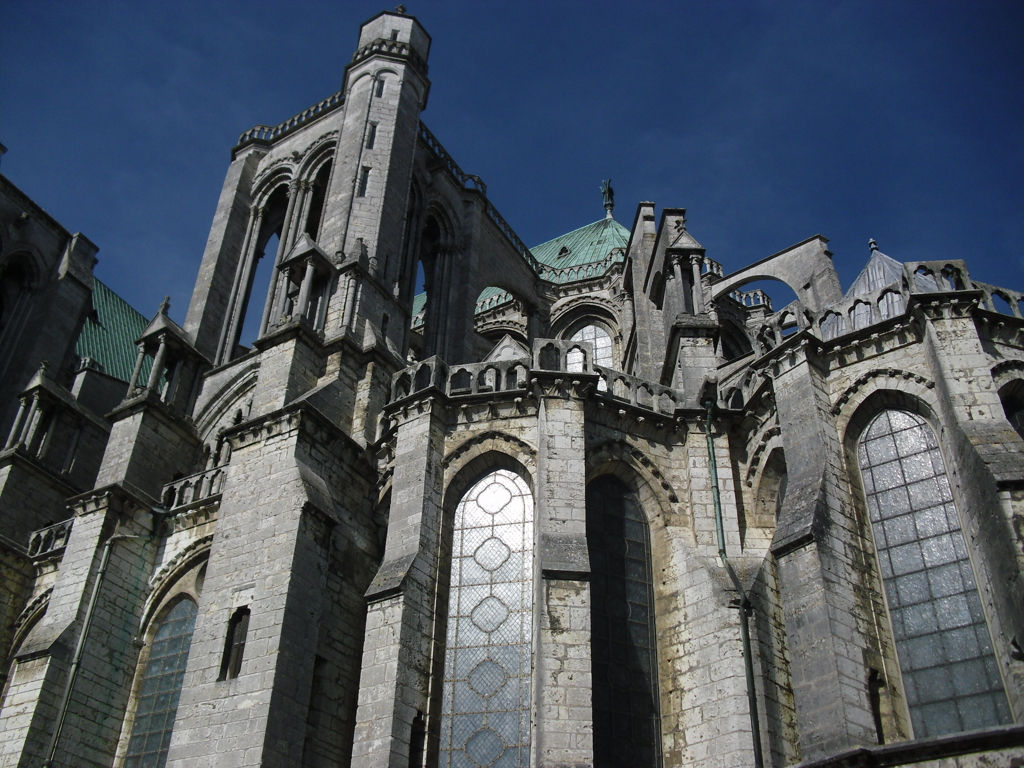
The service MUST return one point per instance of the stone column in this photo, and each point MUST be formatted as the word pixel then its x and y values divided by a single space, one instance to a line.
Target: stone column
pixel 136 370
pixel 271 556
pixel 402 644
pixel 563 734
pixel 158 364
pixel 307 282
pixel 19 422
pixel 209 310
pixel 824 591
pixel 243 275
pixel 90 703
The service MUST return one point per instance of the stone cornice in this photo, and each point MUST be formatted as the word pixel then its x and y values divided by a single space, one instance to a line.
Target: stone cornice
pixel 299 418
pixel 861 381
pixel 148 400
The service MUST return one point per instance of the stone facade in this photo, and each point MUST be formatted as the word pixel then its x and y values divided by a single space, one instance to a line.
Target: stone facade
pixel 746 536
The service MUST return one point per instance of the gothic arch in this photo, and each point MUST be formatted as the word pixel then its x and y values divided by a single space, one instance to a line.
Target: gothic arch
pixel 281 171
pixel 27 258
pixel 657 496
pixel 882 389
pixel 185 590
pixel 167 582
pixel 230 394
pixel 482 454
pixel 805 267
pixel 577 309
pixel 316 154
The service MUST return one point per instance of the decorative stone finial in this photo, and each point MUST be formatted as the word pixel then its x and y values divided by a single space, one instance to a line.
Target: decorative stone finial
pixel 608 194
pixel 872 245
pixel 44 367
pixel 400 9
pixel 165 305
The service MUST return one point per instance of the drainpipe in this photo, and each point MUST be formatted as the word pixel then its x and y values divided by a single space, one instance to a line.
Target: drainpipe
pixel 745 604
pixel 80 649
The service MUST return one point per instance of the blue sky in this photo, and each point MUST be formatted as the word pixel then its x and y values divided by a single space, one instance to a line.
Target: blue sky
pixel 769 121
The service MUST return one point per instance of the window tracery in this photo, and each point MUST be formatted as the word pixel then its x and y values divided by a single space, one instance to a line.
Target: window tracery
pixel 485 717
pixel 950 675
pixel 604 354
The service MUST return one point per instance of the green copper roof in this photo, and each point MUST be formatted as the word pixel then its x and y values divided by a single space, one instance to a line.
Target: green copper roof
pixel 577 255
pixel 585 245
pixel 108 336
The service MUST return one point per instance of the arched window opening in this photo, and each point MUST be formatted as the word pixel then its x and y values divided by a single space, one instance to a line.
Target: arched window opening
pixel 485 712
pixel 950 674
pixel 258 271
pixel 890 304
pixel 860 315
pixel 234 644
pixel 832 325
pixel 161 688
pixel 418 313
pixel 1012 397
pixel 735 342
pixel 317 201
pixel 426 312
pixel 627 714
pixel 771 494
pixel 260 287
pixel 1001 304
pixel 604 352
pixel 14 283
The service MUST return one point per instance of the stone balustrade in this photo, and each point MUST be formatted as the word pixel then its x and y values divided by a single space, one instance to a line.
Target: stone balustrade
pixel 193 489
pixel 49 541
pixel 266 133
pixel 549 355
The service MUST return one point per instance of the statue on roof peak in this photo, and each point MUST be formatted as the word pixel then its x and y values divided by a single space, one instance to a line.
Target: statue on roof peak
pixel 608 194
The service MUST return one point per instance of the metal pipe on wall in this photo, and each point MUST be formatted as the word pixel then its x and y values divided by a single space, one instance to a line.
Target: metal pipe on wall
pixel 745 604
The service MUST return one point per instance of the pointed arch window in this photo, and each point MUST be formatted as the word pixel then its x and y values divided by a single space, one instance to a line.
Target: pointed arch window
pixel 598 336
pixel 950 674
pixel 627 713
pixel 161 688
pixel 485 717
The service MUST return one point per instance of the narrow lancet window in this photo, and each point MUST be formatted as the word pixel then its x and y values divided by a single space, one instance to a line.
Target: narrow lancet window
pixel 234 645
pixel 364 181
pixel 949 671
pixel 485 717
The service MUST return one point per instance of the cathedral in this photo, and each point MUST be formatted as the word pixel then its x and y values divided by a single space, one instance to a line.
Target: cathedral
pixel 464 503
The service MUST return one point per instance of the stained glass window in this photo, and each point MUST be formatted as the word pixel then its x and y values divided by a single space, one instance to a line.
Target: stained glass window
pixel 603 354
pixel 161 687
pixel 485 717
pixel 942 639
pixel 627 722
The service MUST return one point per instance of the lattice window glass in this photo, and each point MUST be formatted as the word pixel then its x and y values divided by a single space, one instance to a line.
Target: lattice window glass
pixel 950 675
pixel 485 717
pixel 161 687
pixel 603 354
pixel 627 720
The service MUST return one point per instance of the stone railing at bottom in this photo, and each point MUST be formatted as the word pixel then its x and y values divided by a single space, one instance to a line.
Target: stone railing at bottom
pixel 194 488
pixel 47 541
